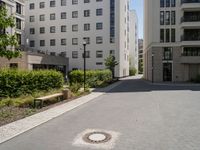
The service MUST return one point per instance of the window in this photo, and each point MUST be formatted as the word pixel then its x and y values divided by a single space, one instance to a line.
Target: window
pixel 75 14
pixel 167 19
pixel 162 20
pixel 99 54
pixel 18 8
pixel 42 42
pixel 18 23
pixel 173 3
pixel 32 18
pixel 32 30
pixel 99 63
pixel 167 3
pixel 63 41
pixel 99 0
pixel 162 3
pixel 112 52
pixel 86 1
pixel 99 40
pixel 173 35
pixel 13 65
pixel 99 12
pixel 63 28
pixel 42 17
pixel 74 54
pixel 32 44
pixel 42 30
pixel 99 26
pixel 63 15
pixel 52 29
pixel 87 40
pixel 75 28
pixel 74 41
pixel 74 2
pixel 52 16
pixel 167 36
pixel 173 17
pixel 52 3
pixel 42 4
pixel 87 54
pixel 167 53
pixel 86 27
pixel 32 6
pixel 162 36
pixel 86 13
pixel 52 42
pixel 63 2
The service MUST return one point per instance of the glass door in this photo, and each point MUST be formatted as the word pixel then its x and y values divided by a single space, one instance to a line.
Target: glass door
pixel 167 72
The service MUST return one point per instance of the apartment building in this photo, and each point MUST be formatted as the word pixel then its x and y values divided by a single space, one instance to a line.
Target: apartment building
pixel 171 40
pixel 61 26
pixel 133 39
pixel 140 56
pixel 17 9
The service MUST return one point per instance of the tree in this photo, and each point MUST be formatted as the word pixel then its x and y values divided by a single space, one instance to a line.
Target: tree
pixel 110 64
pixel 7 40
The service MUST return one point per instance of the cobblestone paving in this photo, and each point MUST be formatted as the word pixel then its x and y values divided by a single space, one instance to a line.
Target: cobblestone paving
pixel 148 117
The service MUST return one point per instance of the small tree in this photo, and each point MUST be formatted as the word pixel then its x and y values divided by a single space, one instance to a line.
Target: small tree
pixel 7 40
pixel 110 64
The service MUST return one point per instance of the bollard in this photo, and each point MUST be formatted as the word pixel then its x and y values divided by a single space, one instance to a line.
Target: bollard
pixel 66 94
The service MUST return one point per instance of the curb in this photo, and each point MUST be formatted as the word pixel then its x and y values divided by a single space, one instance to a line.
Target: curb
pixel 16 128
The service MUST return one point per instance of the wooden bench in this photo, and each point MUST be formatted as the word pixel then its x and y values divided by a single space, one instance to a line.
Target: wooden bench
pixel 41 100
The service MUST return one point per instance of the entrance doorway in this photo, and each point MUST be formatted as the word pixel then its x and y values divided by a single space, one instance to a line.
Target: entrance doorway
pixel 167 72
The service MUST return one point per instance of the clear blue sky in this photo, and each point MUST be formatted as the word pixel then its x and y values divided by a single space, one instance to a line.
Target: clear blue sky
pixel 138 6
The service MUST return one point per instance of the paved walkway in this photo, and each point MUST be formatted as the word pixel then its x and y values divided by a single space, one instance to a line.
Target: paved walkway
pixel 147 117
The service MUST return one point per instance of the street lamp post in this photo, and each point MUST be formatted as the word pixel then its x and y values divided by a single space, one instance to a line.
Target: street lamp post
pixel 84 57
pixel 152 67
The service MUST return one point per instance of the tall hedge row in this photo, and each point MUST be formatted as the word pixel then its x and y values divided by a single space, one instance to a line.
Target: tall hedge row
pixel 14 83
pixel 93 77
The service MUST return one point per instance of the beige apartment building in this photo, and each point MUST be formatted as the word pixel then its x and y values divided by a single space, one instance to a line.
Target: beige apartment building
pixel 171 40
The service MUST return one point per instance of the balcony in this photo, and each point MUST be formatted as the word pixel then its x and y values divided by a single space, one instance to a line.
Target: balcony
pixel 190 4
pixel 191 19
pixel 191 55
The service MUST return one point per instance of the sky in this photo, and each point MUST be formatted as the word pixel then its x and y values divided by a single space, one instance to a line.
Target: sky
pixel 138 6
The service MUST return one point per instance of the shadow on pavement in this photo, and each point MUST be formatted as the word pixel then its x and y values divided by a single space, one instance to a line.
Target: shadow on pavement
pixel 139 85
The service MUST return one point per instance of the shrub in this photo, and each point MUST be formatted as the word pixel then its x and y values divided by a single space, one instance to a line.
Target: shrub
pixel 93 77
pixel 75 87
pixel 132 71
pixel 14 83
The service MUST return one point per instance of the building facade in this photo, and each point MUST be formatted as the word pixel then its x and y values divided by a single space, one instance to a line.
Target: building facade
pixel 61 26
pixel 171 40
pixel 133 39
pixel 17 9
pixel 140 56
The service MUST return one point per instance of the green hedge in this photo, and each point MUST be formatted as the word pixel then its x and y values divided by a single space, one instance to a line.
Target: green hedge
pixel 14 83
pixel 94 78
pixel 132 71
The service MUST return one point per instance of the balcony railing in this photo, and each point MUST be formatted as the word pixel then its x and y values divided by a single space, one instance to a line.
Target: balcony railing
pixel 190 1
pixel 190 38
pixel 190 19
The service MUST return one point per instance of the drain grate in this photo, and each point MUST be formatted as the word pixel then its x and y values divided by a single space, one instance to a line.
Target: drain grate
pixel 97 137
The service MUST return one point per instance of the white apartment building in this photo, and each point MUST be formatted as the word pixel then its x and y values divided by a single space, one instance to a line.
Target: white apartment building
pixel 59 26
pixel 17 9
pixel 171 40
pixel 133 39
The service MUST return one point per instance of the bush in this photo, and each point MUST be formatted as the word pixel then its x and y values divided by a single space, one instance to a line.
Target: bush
pixel 93 77
pixel 14 83
pixel 132 71
pixel 75 87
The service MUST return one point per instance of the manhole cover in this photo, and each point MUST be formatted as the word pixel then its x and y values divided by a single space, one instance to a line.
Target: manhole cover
pixel 97 137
